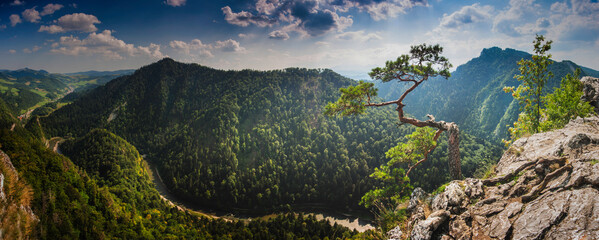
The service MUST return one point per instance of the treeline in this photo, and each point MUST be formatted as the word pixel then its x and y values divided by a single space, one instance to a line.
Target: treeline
pixel 250 139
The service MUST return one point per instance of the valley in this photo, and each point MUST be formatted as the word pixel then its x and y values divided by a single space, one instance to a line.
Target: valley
pixel 239 148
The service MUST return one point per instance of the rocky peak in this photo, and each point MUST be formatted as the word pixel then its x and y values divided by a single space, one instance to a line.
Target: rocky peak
pixel 546 186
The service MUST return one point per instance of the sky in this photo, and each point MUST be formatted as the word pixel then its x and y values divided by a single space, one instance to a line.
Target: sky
pixel 348 36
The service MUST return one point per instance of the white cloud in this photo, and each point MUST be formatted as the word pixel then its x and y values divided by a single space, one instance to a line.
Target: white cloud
pixel 266 7
pixel 466 15
pixel 15 19
pixel 358 36
pixel 153 50
pixel 17 3
pixel 576 21
pixel 308 18
pixel 196 48
pixel 51 8
pixel 243 35
pixel 51 29
pixel 244 18
pixel 517 13
pixel 31 15
pixel 175 3
pixel 3 26
pixel 280 35
pixel 12 51
pixel 229 45
pixel 80 22
pixel 195 45
pixel 34 49
pixel 103 44
pixel 381 10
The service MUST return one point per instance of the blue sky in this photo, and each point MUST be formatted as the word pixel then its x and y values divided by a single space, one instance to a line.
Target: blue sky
pixel 348 36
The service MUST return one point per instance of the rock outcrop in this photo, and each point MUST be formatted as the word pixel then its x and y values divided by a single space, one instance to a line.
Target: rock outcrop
pixel 545 186
pixel 16 217
pixel 590 89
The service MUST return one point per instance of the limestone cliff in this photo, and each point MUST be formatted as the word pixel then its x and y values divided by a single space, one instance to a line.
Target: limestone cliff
pixel 545 186
pixel 16 218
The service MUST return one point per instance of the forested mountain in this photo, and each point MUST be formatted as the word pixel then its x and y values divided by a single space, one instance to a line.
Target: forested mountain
pixel 250 139
pixel 26 89
pixel 81 81
pixel 473 96
pixel 109 196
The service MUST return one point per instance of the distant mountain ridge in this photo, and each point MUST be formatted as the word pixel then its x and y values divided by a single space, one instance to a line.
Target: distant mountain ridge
pixel 473 96
pixel 25 89
pixel 94 73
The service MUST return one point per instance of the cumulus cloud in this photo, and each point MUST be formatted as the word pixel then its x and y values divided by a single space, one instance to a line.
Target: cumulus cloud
pixel 358 36
pixel 244 18
pixel 175 3
pixel 195 47
pixel 229 45
pixel 575 20
pixel 15 19
pixel 307 17
pixel 31 15
pixel 467 15
pixel 17 3
pixel 80 22
pixel 518 12
pixel 51 8
pixel 277 34
pixel 103 44
pixel 378 9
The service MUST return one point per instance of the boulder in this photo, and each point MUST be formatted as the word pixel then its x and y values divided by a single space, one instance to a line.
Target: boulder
pixel 590 89
pixel 416 198
pixel 452 199
pixel 423 230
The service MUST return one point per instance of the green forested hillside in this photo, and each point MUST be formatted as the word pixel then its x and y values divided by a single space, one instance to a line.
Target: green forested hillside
pixel 250 139
pixel 110 196
pixel 473 96
pixel 26 89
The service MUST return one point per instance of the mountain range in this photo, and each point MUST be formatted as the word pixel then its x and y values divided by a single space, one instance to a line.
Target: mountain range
pixel 245 141
pixel 473 96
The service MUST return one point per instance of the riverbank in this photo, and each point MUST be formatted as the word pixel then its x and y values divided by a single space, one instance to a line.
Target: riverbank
pixel 343 219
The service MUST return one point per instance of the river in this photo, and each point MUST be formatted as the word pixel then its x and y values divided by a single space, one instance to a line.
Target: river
pixel 346 220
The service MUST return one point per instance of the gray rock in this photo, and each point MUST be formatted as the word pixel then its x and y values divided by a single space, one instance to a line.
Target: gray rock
pixel 500 224
pixel 452 199
pixel 394 234
pixel 474 188
pixel 489 209
pixel 540 214
pixel 590 89
pixel 584 172
pixel 459 229
pixel 416 198
pixel 424 229
pixel 581 218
